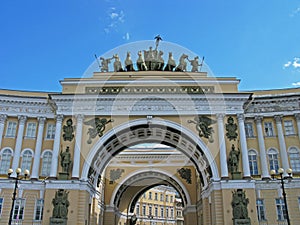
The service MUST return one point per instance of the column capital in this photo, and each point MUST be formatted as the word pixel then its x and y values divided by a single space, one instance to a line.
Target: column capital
pixel 241 117
pixel 79 117
pixel 59 118
pixel 278 118
pixel 220 116
pixel 297 116
pixel 258 119
pixel 3 118
pixel 41 119
pixel 22 119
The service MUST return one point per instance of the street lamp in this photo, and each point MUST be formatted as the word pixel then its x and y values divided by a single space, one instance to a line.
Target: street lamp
pixel 282 178
pixel 17 178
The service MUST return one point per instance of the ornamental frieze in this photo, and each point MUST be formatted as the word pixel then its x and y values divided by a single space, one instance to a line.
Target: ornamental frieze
pixel 97 127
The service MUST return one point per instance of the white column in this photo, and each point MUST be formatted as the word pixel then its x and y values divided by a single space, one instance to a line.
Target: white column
pixel 282 145
pixel 261 143
pixel 77 148
pixel 297 116
pixel 223 156
pixel 244 147
pixel 19 141
pixel 38 148
pixel 3 118
pixel 56 146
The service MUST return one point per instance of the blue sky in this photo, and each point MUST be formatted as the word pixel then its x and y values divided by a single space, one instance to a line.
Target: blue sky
pixel 42 42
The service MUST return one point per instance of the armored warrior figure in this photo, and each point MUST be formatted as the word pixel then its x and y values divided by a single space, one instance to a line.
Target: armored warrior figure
pixel 195 64
pixel 117 64
pixel 128 63
pixel 171 63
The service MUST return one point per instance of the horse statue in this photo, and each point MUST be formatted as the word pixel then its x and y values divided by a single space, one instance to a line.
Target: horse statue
pixel 117 64
pixel 182 63
pixel 159 61
pixel 171 63
pixel 128 63
pixel 150 58
pixel 141 65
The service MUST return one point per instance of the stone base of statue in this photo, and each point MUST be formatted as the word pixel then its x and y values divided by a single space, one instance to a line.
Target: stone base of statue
pixel 236 175
pixel 242 221
pixel 63 176
pixel 56 221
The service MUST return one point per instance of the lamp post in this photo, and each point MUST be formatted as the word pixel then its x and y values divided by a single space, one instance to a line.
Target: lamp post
pixel 17 178
pixel 282 178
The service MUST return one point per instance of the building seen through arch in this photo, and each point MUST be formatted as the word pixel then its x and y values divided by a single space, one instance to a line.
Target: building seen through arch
pixel 150 120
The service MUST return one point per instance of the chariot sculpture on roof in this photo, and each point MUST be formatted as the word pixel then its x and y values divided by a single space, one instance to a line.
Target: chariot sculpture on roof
pixel 151 60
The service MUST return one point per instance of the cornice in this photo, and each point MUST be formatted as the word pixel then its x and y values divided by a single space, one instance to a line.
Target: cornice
pixel 27 106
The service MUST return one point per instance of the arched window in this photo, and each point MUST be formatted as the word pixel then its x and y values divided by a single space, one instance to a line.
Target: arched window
pixel 26 160
pixel 294 159
pixel 253 162
pixel 5 159
pixel 46 163
pixel 273 159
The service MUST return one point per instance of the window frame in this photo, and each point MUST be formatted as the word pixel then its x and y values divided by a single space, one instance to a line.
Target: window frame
pixel 19 206
pixel 249 130
pixel 273 162
pixel 11 129
pixel 253 163
pixel 261 210
pixel 30 130
pixel 294 161
pixel 288 128
pixel 26 160
pixel 50 131
pixel 7 162
pixel 280 209
pixel 38 210
pixel 269 129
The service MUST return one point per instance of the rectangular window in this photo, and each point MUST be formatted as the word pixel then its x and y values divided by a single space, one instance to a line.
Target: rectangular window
pixel 150 210
pixel 150 195
pixel 288 127
pixel 167 212
pixel 269 132
pixel 171 199
pixel 50 134
pixel 273 161
pixel 30 131
pixel 18 213
pixel 39 208
pixel 260 210
pixel 295 161
pixel 253 163
pixel 280 208
pixel 137 210
pixel 249 130
pixel 172 213
pixel 161 212
pixel 167 198
pixel 1 206
pixel 161 197
pixel 11 129
pixel 156 211
pixel 144 210
pixel 156 196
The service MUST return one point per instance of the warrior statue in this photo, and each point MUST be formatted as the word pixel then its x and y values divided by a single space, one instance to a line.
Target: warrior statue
pixel 195 64
pixel 171 63
pixel 60 204
pixel 141 65
pixel 128 63
pixel 117 64
pixel 104 64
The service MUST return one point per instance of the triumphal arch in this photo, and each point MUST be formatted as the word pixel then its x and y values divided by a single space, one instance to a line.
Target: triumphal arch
pixel 93 166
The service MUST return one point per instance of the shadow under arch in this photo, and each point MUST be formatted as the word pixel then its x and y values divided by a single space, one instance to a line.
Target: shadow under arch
pixel 156 131
pixel 138 182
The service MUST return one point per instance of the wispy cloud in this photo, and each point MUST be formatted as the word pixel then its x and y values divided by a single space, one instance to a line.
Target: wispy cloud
pixel 126 36
pixel 114 19
pixel 295 63
pixel 295 12
pixel 297 84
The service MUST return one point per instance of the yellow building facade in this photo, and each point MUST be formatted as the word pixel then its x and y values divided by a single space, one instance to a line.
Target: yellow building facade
pixel 80 145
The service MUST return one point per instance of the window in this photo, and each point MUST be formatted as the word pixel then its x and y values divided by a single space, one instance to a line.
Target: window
pixel 172 213
pixel 18 212
pixel 156 211
pixel 161 211
pixel 11 129
pixel 144 210
pixel 150 195
pixel 269 132
pixel 46 163
pixel 280 208
pixel 137 210
pixel 253 162
pixel 294 159
pixel 50 134
pixel 161 197
pixel 39 208
pixel 260 209
pixel 167 212
pixel 150 210
pixel 288 127
pixel 249 130
pixel 30 131
pixel 6 156
pixel 26 160
pixel 273 160
pixel 155 196
pixel 167 198
pixel 1 206
pixel 171 199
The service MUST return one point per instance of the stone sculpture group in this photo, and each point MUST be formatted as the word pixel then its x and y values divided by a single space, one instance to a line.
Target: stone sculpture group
pixel 150 60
